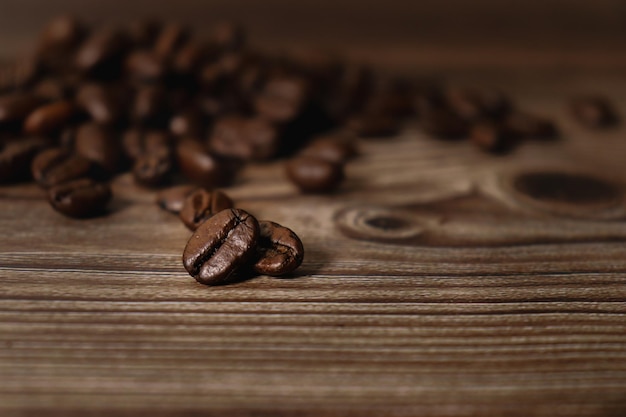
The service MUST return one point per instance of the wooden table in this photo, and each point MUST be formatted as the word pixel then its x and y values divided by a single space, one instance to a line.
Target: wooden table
pixel 432 286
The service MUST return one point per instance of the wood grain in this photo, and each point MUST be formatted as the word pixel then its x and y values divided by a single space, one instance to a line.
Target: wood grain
pixel 99 317
pixel 484 303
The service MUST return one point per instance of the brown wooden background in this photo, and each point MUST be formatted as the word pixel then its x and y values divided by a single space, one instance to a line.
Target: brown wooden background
pixel 495 306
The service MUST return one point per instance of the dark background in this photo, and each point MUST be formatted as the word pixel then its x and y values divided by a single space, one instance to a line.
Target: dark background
pixel 478 33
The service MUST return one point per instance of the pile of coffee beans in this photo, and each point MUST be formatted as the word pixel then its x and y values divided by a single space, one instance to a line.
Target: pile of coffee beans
pixel 177 111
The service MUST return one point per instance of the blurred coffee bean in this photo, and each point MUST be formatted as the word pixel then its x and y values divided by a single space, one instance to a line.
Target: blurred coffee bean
pixel 282 99
pixel 101 145
pixel 244 138
pixel 63 32
pixel 142 33
pixel 526 125
pixel 101 53
pixel 201 167
pixel 593 111
pixel 228 36
pixel 201 205
pixel 337 148
pixel 49 118
pixel 145 66
pixel 170 39
pixel 369 125
pixel 150 106
pixel 172 199
pixel 137 142
pixel 190 57
pixel 16 156
pixel 16 106
pixel 57 165
pixel 153 169
pixel 152 154
pixel 52 89
pixel 18 74
pixel 80 198
pixel 492 136
pixel 314 174
pixel 101 102
pixel 444 124
pixel 190 122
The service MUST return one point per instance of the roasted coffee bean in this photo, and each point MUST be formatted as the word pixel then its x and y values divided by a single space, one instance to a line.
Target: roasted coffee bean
pixel 80 198
pixel 492 136
pixel 202 204
pixel 335 148
pixel 282 99
pixel 314 174
pixel 150 106
pixel 101 52
pixel 170 39
pixel 593 111
pixel 52 89
pixel 139 142
pixel 145 67
pixel 244 138
pixel 63 32
pixel 15 107
pixel 18 74
pixel 191 56
pixel 525 125
pixel 16 156
pixel 222 248
pixel 279 250
pixel 444 124
pixel 374 125
pixel 99 144
pixel 201 167
pixel 49 118
pixel 228 36
pixel 153 169
pixel 142 33
pixel 189 123
pixel 172 199
pixel 57 165
pixel 103 103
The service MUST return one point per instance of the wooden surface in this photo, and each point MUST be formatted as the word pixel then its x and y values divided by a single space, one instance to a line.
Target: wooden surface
pixel 484 303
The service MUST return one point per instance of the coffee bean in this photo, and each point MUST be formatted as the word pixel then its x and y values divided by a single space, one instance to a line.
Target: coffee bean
pixel 244 138
pixel 63 32
pixel 444 124
pixel 18 74
pixel 593 111
pixel 15 107
pixel 49 118
pixel 52 89
pixel 56 166
pixel 228 36
pixel 222 247
pixel 191 56
pixel 188 123
pixel 170 39
pixel 282 99
pixel 145 67
pixel 374 125
pixel 526 125
pixel 279 250
pixel 142 33
pixel 99 144
pixel 150 106
pixel 80 198
pixel 201 167
pixel 335 148
pixel 139 142
pixel 172 199
pixel 492 136
pixel 101 52
pixel 314 174
pixel 153 169
pixel 16 156
pixel 201 205
pixel 103 103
